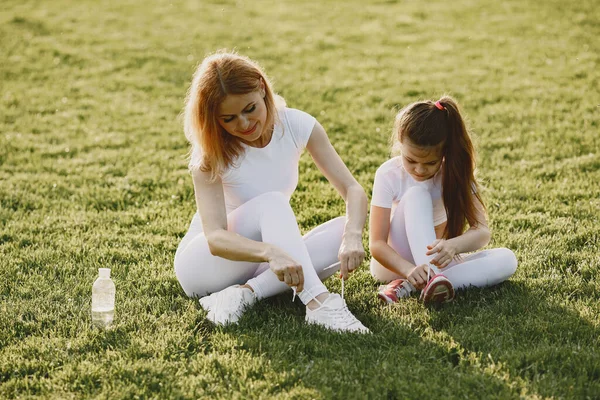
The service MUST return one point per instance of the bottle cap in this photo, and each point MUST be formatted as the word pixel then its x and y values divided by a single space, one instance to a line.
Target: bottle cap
pixel 104 272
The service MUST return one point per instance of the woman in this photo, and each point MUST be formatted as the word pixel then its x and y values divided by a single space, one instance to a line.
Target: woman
pixel 244 243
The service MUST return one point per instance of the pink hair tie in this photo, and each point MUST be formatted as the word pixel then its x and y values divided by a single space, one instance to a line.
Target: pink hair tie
pixel 439 105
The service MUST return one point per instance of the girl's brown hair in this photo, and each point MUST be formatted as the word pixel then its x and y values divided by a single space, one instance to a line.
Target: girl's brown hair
pixel 219 75
pixel 425 124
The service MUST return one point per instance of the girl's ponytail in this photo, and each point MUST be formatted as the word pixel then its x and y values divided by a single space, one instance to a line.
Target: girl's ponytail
pixel 458 171
pixel 433 124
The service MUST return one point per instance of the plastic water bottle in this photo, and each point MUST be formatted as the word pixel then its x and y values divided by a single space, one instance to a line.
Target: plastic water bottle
pixel 103 299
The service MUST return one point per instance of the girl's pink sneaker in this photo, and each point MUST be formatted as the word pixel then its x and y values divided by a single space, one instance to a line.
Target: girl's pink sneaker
pixel 395 290
pixel 438 290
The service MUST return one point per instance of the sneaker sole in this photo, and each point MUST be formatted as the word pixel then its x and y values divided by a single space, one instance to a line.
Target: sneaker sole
pixel 362 329
pixel 438 292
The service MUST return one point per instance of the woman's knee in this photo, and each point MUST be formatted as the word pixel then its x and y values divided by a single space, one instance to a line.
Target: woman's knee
pixel 186 266
pixel 338 222
pixel 334 227
pixel 182 274
pixel 270 202
pixel 323 244
pixel 272 198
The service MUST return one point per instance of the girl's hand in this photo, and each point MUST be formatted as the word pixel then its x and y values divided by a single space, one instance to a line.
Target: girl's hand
pixel 286 268
pixel 351 254
pixel 445 252
pixel 418 276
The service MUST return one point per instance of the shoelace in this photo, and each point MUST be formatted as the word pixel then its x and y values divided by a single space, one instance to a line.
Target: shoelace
pixel 338 314
pixel 343 315
pixel 334 265
pixel 428 278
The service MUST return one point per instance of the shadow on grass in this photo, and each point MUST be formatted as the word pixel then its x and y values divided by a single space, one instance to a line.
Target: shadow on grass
pixel 534 333
pixel 509 341
pixel 401 359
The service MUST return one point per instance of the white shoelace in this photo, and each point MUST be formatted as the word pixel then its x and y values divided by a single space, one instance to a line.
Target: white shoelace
pixel 343 314
pixel 334 265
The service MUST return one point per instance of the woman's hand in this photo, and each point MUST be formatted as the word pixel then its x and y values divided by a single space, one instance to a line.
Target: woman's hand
pixel 286 268
pixel 351 254
pixel 445 252
pixel 418 276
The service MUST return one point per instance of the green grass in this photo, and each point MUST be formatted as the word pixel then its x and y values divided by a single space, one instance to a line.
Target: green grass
pixel 93 174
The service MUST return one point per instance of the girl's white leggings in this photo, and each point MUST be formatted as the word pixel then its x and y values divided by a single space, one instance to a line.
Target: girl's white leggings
pixel 412 229
pixel 268 218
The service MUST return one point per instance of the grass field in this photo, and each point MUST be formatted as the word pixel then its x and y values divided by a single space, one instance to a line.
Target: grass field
pixel 93 174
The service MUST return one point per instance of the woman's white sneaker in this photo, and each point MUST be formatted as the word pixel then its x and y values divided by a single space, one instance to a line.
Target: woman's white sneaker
pixel 228 305
pixel 333 314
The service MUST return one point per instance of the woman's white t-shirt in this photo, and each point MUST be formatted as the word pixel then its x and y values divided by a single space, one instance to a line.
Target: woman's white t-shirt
pixel 273 168
pixel 392 181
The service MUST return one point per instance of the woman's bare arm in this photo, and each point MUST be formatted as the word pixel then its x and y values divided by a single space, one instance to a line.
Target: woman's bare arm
pixel 210 201
pixel 331 165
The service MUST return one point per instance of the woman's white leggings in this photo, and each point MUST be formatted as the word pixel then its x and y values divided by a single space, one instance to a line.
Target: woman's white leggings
pixel 267 218
pixel 412 229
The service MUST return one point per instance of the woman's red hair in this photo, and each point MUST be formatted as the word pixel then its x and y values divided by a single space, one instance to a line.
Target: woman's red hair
pixel 219 75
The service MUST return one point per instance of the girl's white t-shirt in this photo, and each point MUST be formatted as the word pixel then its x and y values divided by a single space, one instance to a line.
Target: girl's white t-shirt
pixel 273 168
pixel 392 181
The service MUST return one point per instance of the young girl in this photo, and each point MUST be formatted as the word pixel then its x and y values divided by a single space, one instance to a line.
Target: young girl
pixel 422 201
pixel 244 244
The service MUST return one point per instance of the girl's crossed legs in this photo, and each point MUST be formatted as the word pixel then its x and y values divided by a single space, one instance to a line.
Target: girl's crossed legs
pixel 412 230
